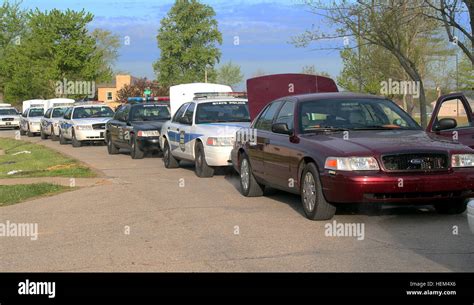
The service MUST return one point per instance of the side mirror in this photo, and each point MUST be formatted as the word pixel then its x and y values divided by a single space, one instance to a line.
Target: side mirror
pixel 446 123
pixel 280 128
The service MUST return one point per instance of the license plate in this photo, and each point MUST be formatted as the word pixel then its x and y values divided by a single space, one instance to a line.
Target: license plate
pixel 101 134
pixel 8 123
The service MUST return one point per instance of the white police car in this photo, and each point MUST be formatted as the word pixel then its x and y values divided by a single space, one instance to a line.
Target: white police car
pixel 203 131
pixel 30 121
pixel 50 122
pixel 9 118
pixel 84 123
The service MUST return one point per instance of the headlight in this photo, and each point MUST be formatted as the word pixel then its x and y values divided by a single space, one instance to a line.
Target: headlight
pixel 83 127
pixel 222 141
pixel 352 164
pixel 148 133
pixel 462 160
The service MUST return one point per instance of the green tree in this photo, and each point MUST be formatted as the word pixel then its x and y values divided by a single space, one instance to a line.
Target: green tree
pixel 229 74
pixel 56 45
pixel 138 87
pixel 107 45
pixel 466 74
pixel 188 39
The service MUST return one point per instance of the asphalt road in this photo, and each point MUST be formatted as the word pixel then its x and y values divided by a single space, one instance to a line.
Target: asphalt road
pixel 206 225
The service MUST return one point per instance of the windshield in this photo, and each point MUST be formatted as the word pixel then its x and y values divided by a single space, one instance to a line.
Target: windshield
pixel 36 112
pixel 92 112
pixel 58 112
pixel 221 112
pixel 150 113
pixel 8 112
pixel 354 114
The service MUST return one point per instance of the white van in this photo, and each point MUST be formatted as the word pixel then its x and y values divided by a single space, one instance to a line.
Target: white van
pixel 33 104
pixel 184 93
pixel 58 102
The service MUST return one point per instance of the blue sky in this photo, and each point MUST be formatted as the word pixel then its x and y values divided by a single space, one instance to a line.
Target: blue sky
pixel 264 28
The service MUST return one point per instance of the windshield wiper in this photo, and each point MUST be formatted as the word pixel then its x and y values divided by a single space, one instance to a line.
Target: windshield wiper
pixel 326 129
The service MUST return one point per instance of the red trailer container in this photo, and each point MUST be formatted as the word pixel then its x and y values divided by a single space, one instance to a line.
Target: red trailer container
pixel 262 90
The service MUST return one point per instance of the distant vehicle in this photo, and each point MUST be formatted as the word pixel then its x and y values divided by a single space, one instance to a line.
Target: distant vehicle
pixel 34 104
pixel 9 118
pixel 58 102
pixel 50 122
pixel 84 123
pixel 30 121
pixel 203 131
pixel 264 89
pixel 136 126
pixel 2 105
pixel 342 148
pixel 184 93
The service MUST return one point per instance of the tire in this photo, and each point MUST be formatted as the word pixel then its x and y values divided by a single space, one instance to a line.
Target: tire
pixel 249 187
pixel 315 205
pixel 135 151
pixel 22 132
pixel 451 208
pixel 75 142
pixel 168 159
pixel 43 135
pixel 29 133
pixel 202 169
pixel 53 136
pixel 62 140
pixel 111 148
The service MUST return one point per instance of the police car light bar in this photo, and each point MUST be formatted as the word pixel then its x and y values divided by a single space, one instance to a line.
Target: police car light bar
pixel 148 99
pixel 204 95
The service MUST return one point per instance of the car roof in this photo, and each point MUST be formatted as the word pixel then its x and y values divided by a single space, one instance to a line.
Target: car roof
pixel 219 99
pixel 90 105
pixel 333 95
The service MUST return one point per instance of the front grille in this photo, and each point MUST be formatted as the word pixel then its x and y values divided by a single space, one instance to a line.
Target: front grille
pixel 416 162
pixel 98 126
pixel 8 119
pixel 420 195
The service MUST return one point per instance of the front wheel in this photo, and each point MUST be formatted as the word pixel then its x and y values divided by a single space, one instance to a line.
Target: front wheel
pixel 62 140
pixel 54 137
pixel 315 205
pixel 202 169
pixel 168 159
pixel 452 208
pixel 75 141
pixel 135 151
pixel 249 186
pixel 43 135
pixel 111 148
pixel 22 132
pixel 29 133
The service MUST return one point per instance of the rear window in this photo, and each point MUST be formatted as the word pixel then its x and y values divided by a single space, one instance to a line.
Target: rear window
pixel 150 113
pixel 222 112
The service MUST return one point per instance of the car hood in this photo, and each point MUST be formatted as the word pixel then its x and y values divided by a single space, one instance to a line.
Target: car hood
pixel 91 121
pixel 382 142
pixel 148 125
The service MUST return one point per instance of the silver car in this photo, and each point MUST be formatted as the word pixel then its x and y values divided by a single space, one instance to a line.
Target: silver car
pixel 30 121
pixel 50 122
pixel 9 118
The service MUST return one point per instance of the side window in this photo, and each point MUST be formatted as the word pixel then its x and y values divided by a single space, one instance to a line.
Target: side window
pixel 454 109
pixel 125 113
pixel 118 113
pixel 180 112
pixel 265 120
pixel 188 115
pixel 286 114
pixel 25 113
pixel 48 113
pixel 67 115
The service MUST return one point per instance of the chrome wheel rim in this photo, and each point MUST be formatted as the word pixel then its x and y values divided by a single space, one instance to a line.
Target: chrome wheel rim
pixel 245 174
pixel 309 192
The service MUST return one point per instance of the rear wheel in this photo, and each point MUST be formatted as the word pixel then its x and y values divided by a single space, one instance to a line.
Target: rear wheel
pixel 135 151
pixel 453 207
pixel 75 141
pixel 249 186
pixel 202 169
pixel 168 159
pixel 111 148
pixel 314 204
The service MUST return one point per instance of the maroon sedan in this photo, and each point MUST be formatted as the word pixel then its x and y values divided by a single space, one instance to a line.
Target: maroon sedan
pixel 345 148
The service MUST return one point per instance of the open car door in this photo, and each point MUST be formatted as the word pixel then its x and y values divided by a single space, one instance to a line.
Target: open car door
pixel 453 118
